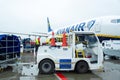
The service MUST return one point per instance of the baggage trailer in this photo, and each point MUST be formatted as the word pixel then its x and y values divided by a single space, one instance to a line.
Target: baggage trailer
pixel 9 49
pixel 27 45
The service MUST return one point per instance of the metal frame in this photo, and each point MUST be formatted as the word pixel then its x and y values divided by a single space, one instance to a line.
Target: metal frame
pixel 10 56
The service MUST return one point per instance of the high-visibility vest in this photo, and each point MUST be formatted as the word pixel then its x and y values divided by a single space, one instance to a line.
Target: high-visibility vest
pixel 37 41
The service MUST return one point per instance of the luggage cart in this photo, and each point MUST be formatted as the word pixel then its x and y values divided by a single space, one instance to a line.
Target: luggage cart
pixel 27 46
pixel 9 49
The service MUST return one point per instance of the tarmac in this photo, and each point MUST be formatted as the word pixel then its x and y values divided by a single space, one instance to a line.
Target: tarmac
pixel 111 72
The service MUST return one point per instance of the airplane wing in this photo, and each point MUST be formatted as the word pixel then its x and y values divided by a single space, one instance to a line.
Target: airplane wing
pixel 29 34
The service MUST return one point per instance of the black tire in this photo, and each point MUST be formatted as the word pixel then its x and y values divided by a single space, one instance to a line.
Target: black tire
pixel 114 57
pixel 46 67
pixel 82 67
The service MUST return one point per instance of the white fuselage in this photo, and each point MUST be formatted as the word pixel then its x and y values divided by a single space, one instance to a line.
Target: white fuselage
pixel 108 25
pixel 105 25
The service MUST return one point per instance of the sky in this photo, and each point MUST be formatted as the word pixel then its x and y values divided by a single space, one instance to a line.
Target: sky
pixel 28 16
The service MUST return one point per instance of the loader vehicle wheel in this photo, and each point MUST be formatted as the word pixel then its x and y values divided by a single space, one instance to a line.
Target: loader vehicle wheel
pixel 114 57
pixel 46 67
pixel 81 67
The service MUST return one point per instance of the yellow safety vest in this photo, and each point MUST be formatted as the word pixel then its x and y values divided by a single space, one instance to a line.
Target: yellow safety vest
pixel 37 42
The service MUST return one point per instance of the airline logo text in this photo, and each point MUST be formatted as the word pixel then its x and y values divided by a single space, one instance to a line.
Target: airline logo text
pixel 78 27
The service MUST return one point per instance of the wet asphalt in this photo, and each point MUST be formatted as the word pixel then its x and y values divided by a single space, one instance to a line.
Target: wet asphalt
pixel 111 72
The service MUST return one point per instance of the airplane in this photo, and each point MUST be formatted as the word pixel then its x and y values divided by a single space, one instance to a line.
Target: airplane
pixel 106 27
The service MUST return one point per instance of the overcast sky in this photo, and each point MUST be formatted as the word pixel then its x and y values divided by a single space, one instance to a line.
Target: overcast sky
pixel 31 15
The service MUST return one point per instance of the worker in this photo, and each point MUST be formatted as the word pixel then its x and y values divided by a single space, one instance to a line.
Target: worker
pixel 37 44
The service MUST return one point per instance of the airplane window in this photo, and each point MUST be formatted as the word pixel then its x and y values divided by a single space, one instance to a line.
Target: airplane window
pixel 115 21
pixel 118 20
